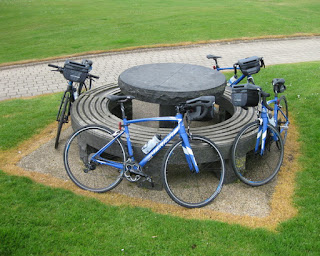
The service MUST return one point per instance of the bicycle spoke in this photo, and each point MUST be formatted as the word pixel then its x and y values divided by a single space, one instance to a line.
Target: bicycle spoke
pixel 191 189
pixel 283 122
pixel 91 175
pixel 253 168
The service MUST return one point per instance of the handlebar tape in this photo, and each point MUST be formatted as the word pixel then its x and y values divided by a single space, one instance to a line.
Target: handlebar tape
pixel 93 76
pixel 264 96
pixel 279 81
pixel 53 66
pixel 204 103
pixel 202 115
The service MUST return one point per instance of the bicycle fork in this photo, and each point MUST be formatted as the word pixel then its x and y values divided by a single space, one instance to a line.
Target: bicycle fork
pixel 192 163
pixel 263 133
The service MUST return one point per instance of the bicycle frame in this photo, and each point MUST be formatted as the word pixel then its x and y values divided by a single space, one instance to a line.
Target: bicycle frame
pixel 262 130
pixel 70 90
pixel 276 110
pixel 236 81
pixel 180 128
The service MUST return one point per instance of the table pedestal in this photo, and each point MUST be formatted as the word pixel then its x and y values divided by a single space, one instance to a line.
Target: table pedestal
pixel 167 110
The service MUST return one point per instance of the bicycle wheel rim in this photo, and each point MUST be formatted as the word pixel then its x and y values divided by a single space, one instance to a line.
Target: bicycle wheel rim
pixel 283 115
pixel 251 167
pixel 190 189
pixel 90 175
pixel 62 117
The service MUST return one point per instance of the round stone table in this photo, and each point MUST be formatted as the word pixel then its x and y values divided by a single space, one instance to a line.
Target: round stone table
pixel 169 84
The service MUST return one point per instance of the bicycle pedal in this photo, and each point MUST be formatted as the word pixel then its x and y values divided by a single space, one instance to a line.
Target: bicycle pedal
pixel 150 180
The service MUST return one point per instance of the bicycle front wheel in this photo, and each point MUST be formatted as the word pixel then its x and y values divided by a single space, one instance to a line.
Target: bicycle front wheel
pixel 82 170
pixel 283 115
pixel 249 165
pixel 186 187
pixel 62 115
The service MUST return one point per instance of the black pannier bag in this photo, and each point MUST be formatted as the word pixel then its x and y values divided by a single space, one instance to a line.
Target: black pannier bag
pixel 75 72
pixel 251 65
pixel 245 95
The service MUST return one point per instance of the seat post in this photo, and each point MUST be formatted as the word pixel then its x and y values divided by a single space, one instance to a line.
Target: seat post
pixel 123 110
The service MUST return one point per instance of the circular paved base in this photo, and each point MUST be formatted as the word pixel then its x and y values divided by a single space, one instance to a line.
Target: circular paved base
pixel 94 108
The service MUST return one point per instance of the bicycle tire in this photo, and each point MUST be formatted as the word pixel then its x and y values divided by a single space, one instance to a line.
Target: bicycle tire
pixel 283 105
pixel 253 168
pixel 90 175
pixel 62 116
pixel 190 189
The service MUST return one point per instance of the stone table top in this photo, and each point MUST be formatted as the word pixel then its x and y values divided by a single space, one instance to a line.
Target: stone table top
pixel 171 83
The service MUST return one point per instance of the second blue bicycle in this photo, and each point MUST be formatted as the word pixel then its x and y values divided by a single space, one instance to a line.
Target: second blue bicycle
pixel 258 149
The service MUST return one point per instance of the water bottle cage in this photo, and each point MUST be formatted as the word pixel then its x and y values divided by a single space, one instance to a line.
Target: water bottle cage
pixel 151 144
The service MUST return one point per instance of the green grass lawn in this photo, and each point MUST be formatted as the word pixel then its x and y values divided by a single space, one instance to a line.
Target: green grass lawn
pixel 39 220
pixel 35 29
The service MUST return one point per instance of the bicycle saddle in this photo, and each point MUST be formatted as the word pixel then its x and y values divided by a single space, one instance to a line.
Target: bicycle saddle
pixel 278 81
pixel 278 85
pixel 210 56
pixel 120 98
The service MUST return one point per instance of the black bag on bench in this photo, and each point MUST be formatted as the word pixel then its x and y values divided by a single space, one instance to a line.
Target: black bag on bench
pixel 245 95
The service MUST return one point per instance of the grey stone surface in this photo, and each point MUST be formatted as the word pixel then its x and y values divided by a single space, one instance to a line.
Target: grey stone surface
pixel 171 83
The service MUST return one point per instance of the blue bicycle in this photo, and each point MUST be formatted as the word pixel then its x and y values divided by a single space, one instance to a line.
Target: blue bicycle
pixel 279 117
pixel 74 73
pixel 247 66
pixel 192 171
pixel 258 149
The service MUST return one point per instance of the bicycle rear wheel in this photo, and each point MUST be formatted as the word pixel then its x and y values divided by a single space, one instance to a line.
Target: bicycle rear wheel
pixel 185 187
pixel 283 117
pixel 63 115
pixel 88 174
pixel 251 167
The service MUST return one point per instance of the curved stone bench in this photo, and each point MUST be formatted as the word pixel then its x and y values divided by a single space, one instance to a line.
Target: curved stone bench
pixel 94 108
